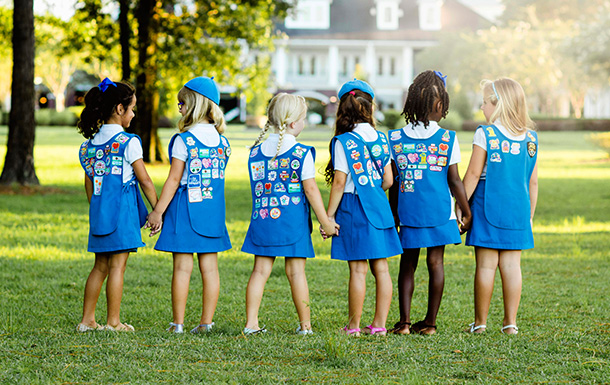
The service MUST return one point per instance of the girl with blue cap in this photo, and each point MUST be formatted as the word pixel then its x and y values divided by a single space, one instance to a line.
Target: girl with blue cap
pixel 502 183
pixel 426 158
pixel 360 171
pixel 282 178
pixel 113 166
pixel 192 202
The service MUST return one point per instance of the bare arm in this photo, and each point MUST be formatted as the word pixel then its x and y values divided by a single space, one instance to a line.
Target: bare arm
pixel 336 193
pixel 388 177
pixel 534 190
pixel 315 200
pixel 167 194
pixel 145 182
pixel 88 187
pixel 458 191
pixel 475 168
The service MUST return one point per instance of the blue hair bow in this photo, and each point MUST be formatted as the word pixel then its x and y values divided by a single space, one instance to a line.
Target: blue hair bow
pixel 443 77
pixel 103 86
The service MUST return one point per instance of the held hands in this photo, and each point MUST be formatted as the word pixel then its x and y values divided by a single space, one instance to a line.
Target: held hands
pixel 329 229
pixel 464 220
pixel 154 221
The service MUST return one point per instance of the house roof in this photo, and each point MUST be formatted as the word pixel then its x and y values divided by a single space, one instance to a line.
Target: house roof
pixel 352 20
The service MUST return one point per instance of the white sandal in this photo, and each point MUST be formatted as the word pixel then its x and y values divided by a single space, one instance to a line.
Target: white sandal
pixel 82 328
pixel 203 328
pixel 509 327
pixel 474 328
pixel 125 328
pixel 178 328
pixel 304 332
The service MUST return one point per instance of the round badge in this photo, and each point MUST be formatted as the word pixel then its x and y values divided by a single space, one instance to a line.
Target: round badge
pixel 275 213
pixel 99 167
pixel 228 151
pixel 99 153
pixel 258 189
pixel 376 150
pixel 295 164
pixel 195 166
pixel 363 179
pixel 255 214
pixel 402 161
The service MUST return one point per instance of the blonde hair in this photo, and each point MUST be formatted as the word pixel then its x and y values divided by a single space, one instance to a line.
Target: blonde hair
pixel 283 110
pixel 511 109
pixel 199 109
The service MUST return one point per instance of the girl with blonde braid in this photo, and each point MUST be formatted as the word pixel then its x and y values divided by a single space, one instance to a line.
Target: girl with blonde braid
pixel 282 178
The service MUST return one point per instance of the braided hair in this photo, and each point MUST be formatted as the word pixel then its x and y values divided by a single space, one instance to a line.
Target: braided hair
pixel 427 89
pixel 101 105
pixel 354 107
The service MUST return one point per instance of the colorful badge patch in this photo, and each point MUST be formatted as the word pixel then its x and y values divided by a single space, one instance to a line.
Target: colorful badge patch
pixel 207 192
pixel 408 174
pixel 495 157
pixel 296 200
pixel 114 147
pixel 446 137
pixel 204 153
pixel 122 138
pixel 294 178
pixel 441 161
pixel 195 166
pixel 190 141
pixel 99 154
pixel 275 213
pixel 117 160
pixel 272 164
pixel 432 159
pixel 397 148
pixel 423 159
pixel 284 162
pixel 421 148
pixel 264 213
pixel 215 173
pixel 224 141
pixel 284 176
pixel 532 137
pixel 413 157
pixel 285 200
pixel 395 135
pixel 195 195
pixel 410 147
pixel 386 149
pixel 272 175
pixel 116 170
pixel 358 168
pixel 491 132
pixel 376 150
pixel 409 186
pixel 350 144
pixel 254 152
pixel 97 185
pixel 443 148
pixel 267 188
pixel 355 155
pixel 432 148
pixel 258 170
pixel 206 182
pixel 255 214
pixel 193 180
pixel 215 162
pixel 206 173
pixel 294 187
pixel 298 152
pixel 363 179
pixel 436 168
pixel 505 146
pixel 99 167
pixel 279 188
pixel 418 174
pixel 531 149
pixel 207 162
pixel 494 144
pixel 273 202
pixel 515 148
pixel 265 202
pixel 228 151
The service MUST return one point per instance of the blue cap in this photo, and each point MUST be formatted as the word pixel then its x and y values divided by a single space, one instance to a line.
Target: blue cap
pixel 206 87
pixel 356 85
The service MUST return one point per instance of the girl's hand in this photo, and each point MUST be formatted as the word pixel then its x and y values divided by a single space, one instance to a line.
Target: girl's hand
pixel 329 229
pixel 154 222
pixel 466 223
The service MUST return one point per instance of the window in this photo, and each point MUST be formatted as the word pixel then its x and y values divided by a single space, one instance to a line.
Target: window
pixel 430 15
pixel 393 66
pixel 300 69
pixel 387 14
pixel 380 66
pixel 309 14
pixel 313 65
pixel 344 70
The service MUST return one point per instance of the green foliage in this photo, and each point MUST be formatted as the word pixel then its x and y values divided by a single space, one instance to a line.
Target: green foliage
pixel 453 121
pixel 602 140
pixel 50 117
pixel 44 266
pixel 459 103
pixel 392 119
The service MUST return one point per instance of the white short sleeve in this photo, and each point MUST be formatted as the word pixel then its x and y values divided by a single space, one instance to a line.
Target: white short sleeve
pixel 133 151
pixel 339 159
pixel 479 139
pixel 309 168
pixel 456 155
pixel 179 149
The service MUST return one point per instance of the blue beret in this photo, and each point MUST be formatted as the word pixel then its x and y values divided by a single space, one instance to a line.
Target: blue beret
pixel 356 85
pixel 206 87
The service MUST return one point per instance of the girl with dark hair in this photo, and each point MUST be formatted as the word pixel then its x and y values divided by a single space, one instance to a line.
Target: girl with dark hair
pixel 359 171
pixel 426 158
pixel 113 166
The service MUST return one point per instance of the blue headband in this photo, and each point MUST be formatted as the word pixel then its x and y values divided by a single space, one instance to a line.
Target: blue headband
pixel 443 77
pixel 103 86
pixel 495 92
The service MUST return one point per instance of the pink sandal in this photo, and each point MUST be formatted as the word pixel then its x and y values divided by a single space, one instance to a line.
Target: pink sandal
pixel 355 331
pixel 373 330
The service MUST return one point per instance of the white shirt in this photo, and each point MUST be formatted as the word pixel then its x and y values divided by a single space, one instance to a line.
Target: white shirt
pixel 479 140
pixel 369 134
pixel 133 151
pixel 269 147
pixel 205 133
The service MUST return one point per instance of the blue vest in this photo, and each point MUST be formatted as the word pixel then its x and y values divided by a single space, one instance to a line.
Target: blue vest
pixel 510 164
pixel 423 164
pixel 280 210
pixel 103 164
pixel 366 163
pixel 205 184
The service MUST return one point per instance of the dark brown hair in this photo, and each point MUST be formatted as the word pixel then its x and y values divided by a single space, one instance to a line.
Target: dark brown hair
pixel 99 106
pixel 354 107
pixel 426 90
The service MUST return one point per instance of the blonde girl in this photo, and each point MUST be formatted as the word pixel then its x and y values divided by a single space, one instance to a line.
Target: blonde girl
pixel 502 183
pixel 192 202
pixel 282 180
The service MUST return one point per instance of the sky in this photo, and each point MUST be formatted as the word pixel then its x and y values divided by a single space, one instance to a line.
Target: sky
pixel 65 8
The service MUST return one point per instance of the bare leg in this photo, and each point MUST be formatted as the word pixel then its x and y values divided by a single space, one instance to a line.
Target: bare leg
pixel 93 287
pixel 406 282
pixel 383 284
pixel 181 279
pixel 487 263
pixel 295 271
pixel 114 287
pixel 436 284
pixel 208 266
pixel 357 291
pixel 510 271
pixel 256 285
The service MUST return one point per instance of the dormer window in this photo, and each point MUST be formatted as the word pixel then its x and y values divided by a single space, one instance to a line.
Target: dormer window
pixel 309 14
pixel 430 14
pixel 387 14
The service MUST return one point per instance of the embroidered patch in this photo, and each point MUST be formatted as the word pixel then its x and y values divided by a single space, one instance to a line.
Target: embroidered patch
pixel 494 144
pixel 358 168
pixel 204 153
pixel 275 213
pixel 495 157
pixel 515 148
pixel 267 188
pixel 505 146
pixel 272 164
pixel 190 141
pixel 114 147
pixel 193 180
pixel 258 170
pixel 99 154
pixel 490 132
pixel 295 164
pixel 254 152
pixel 395 135
pixel 355 155
pixel 279 188
pixel 195 195
pixel 285 200
pixel 207 192
pixel 272 175
pixel 99 167
pixel 350 144
pixel 531 149
pixel 97 185
pixel 363 179
pixel 296 200
pixel 294 187
pixel 376 150
pixel 273 202
pixel 532 137
pixel 443 148
pixel 195 166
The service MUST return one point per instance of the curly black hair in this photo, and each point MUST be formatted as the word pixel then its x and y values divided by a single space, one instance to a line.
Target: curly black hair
pixel 426 90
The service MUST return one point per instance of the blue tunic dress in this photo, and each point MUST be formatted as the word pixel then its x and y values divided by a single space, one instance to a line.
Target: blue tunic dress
pixel 194 221
pixel 280 224
pixel 424 201
pixel 367 225
pixel 500 204
pixel 117 211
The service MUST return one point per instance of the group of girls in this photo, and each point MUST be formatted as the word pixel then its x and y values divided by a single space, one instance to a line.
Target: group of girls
pixel 417 163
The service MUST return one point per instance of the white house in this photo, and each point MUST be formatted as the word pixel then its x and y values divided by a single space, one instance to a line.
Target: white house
pixel 328 42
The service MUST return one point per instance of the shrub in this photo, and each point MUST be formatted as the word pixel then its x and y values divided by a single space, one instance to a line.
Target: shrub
pixel 602 140
pixel 49 117
pixel 453 121
pixel 392 119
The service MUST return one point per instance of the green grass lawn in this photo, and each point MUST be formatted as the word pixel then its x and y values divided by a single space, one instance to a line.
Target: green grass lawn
pixel 564 316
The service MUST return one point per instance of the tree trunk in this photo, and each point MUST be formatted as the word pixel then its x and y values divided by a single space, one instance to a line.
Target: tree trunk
pixel 125 37
pixel 19 160
pixel 146 81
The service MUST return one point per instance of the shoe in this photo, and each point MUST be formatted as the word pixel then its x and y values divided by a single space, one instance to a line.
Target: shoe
pixel 251 332
pixel 510 327
pixel 176 328
pixel 352 332
pixel 121 327
pixel 373 330
pixel 473 329
pixel 424 329
pixel 82 328
pixel 203 328
pixel 302 332
pixel 402 328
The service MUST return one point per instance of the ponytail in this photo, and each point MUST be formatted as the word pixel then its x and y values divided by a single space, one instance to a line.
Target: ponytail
pixel 101 105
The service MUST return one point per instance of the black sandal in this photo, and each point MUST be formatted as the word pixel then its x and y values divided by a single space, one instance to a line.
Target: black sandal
pixel 399 328
pixel 423 328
